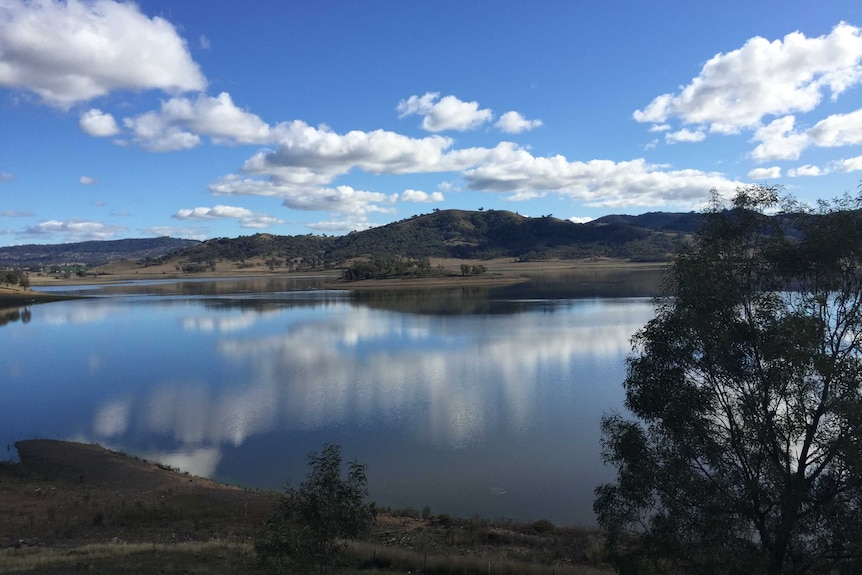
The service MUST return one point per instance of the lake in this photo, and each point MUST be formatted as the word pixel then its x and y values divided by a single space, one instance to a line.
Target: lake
pixel 470 401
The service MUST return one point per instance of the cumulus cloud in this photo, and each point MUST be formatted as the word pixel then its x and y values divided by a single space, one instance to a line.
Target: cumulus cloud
pixel 515 123
pixel 580 219
pixel 772 173
pixel 736 90
pixel 848 165
pixel 74 51
pixel 421 197
pixel 685 135
pixel 74 230
pixel 597 182
pixel 181 121
pixel 212 213
pixel 170 231
pixel 806 170
pixel 88 181
pixel 447 113
pixel 346 225
pixel 306 155
pixel 247 219
pixel 837 130
pixel 301 169
pixel 97 123
pixel 779 141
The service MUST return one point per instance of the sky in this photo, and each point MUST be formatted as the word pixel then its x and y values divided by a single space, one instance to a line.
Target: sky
pixel 218 118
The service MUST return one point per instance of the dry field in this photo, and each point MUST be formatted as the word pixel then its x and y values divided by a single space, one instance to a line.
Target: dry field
pixel 70 507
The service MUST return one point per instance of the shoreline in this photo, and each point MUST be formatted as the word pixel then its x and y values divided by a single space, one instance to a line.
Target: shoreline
pixel 67 502
pixel 496 271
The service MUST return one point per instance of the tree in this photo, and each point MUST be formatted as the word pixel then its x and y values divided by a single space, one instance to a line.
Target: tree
pixel 745 451
pixel 313 520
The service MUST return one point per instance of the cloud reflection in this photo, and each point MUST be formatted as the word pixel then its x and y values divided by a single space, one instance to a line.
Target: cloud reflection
pixel 447 381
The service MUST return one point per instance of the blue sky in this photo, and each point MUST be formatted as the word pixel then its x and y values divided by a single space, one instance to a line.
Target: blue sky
pixel 202 119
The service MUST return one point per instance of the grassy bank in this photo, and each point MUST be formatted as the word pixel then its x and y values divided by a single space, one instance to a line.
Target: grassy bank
pixel 70 506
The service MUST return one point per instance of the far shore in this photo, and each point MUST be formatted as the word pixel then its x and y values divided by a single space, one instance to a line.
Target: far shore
pixel 498 272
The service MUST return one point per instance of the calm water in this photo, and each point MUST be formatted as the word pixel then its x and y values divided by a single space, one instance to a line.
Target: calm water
pixel 468 401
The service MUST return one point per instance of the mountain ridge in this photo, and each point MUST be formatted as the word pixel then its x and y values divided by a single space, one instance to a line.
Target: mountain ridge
pixel 461 234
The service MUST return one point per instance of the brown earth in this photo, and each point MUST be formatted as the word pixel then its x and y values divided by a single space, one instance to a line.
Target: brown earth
pixel 499 270
pixel 69 507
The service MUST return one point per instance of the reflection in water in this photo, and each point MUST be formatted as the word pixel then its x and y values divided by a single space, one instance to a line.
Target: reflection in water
pixel 16 314
pixel 495 413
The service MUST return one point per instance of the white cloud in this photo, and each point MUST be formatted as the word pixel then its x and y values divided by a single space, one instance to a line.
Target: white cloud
pixel 355 205
pixel 580 219
pixel 772 173
pixel 97 123
pixel 315 156
pixel 685 135
pixel 260 221
pixel 180 122
pixel 806 170
pixel 736 90
pixel 88 181
pixel 848 164
pixel 308 159
pixel 6 177
pixel 188 233
pixel 779 141
pixel 838 130
pixel 341 226
pixel 212 213
pixel 247 219
pixel 74 51
pixel 74 230
pixel 597 182
pixel 515 123
pixel 420 197
pixel 660 128
pixel 447 113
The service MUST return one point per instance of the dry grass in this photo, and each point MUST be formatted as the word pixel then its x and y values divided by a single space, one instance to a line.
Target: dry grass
pixel 114 554
pixel 74 507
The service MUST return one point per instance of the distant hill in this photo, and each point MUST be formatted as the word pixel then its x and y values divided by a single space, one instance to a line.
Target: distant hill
pixel 442 233
pixel 93 253
pixel 454 234
pixel 685 222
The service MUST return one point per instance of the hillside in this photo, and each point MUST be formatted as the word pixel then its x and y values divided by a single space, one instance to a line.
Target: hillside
pixel 457 234
pixel 93 253
pixel 450 234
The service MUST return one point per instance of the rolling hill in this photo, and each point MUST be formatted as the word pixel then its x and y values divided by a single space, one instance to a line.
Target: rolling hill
pixel 442 233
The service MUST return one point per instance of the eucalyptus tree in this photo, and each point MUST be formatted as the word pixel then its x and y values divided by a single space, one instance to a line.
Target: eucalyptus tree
pixel 744 452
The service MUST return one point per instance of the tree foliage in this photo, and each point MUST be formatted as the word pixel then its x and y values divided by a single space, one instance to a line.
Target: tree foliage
pixel 745 451
pixel 315 519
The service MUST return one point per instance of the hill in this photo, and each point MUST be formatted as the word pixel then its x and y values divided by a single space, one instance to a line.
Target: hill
pixel 92 253
pixel 456 234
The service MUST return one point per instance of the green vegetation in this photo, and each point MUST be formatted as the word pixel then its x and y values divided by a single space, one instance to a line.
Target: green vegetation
pixel 92 253
pixel 744 454
pixel 15 277
pixel 458 234
pixel 389 268
pixel 313 521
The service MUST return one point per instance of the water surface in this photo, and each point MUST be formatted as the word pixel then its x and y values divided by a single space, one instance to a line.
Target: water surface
pixel 468 401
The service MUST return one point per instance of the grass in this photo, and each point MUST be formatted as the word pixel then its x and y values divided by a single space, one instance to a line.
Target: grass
pixel 75 507
pixel 192 557
pixel 372 557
